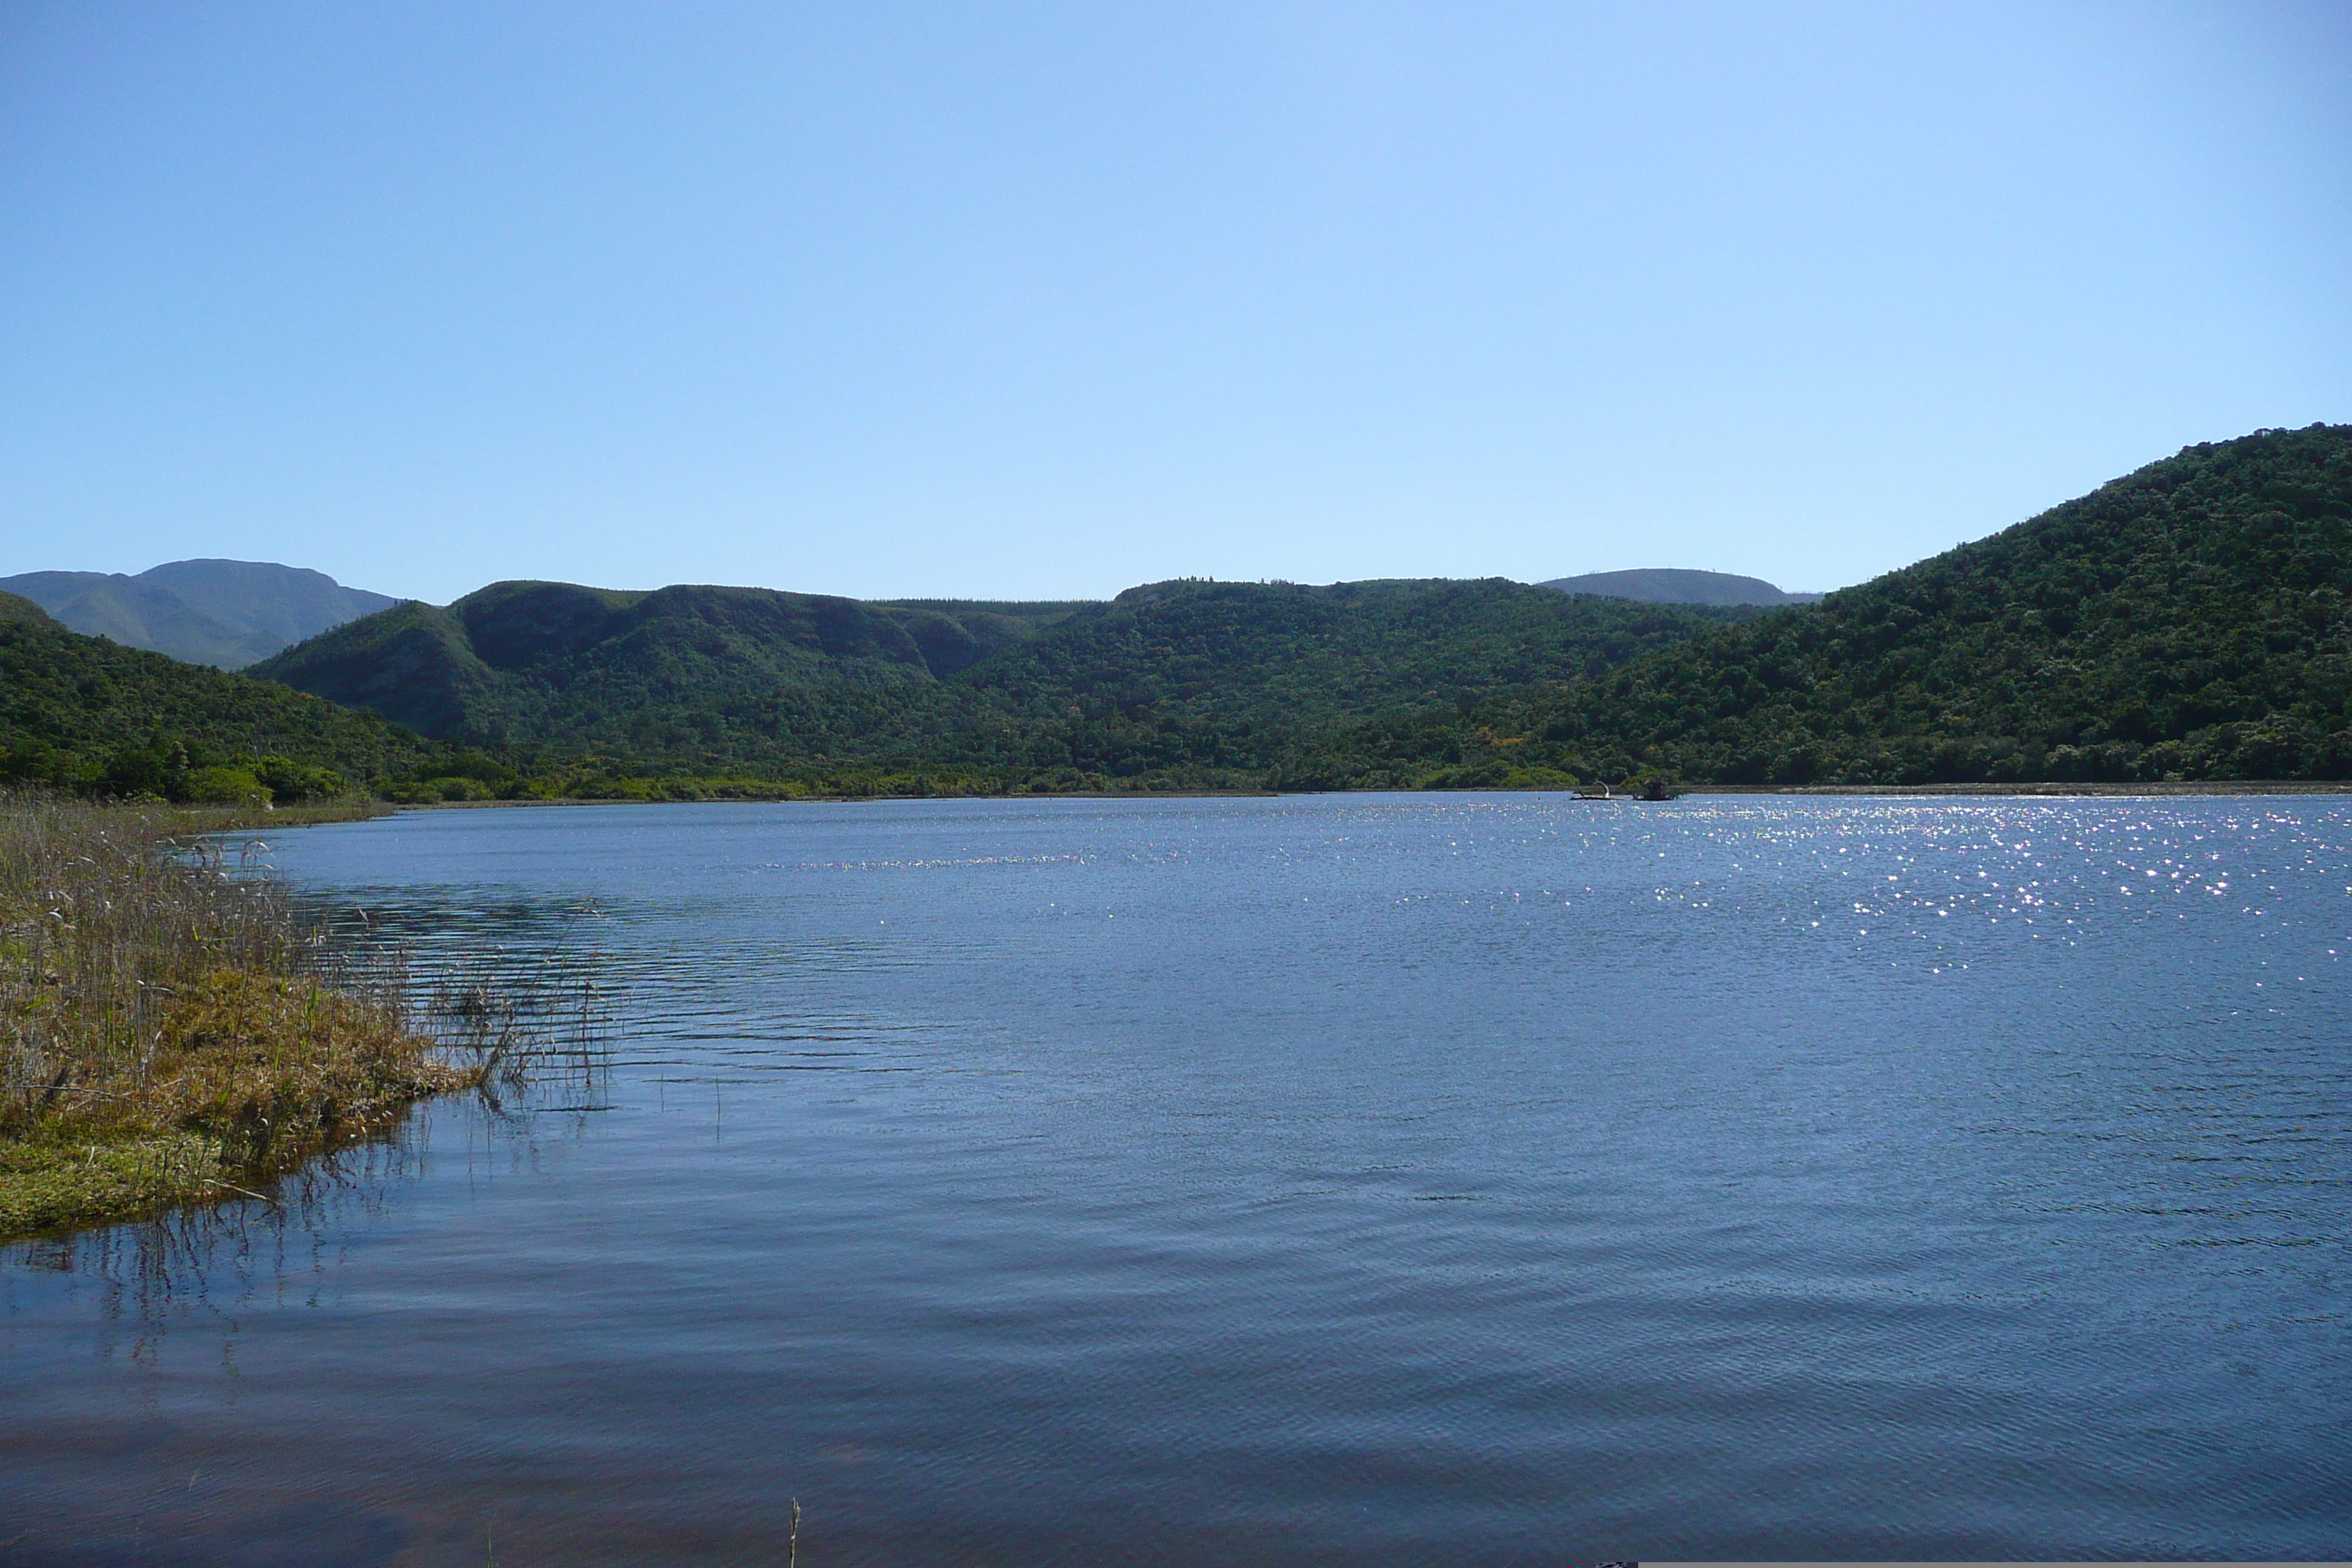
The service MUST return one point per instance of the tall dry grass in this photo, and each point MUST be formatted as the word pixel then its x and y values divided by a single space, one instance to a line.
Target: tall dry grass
pixel 168 1028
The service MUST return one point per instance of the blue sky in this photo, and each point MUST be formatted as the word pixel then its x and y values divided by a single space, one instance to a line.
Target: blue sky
pixel 1046 301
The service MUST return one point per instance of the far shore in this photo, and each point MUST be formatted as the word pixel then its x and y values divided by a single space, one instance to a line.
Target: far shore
pixel 2191 786
pixel 2045 791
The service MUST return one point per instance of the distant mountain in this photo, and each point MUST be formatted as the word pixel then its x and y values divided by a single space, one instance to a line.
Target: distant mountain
pixel 138 615
pixel 1670 585
pixel 259 598
pixel 223 613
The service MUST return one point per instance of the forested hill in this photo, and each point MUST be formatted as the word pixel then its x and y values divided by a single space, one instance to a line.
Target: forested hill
pixel 555 661
pixel 1185 683
pixel 2189 620
pixel 1288 660
pixel 81 712
pixel 16 607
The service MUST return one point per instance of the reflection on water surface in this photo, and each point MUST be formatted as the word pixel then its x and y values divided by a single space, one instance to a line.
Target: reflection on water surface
pixel 1479 1178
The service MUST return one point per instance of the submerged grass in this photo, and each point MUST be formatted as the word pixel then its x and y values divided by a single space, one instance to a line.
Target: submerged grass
pixel 168 1031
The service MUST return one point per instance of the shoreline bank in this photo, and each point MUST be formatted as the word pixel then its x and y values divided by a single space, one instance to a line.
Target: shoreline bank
pixel 2046 791
pixel 2040 791
pixel 169 1036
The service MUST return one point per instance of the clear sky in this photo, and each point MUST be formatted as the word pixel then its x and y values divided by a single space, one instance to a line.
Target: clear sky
pixel 1012 300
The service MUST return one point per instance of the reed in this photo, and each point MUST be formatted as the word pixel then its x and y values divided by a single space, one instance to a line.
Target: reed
pixel 169 1031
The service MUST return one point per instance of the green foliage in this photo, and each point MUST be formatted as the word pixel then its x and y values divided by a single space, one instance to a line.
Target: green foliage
pixel 630 673
pixel 87 716
pixel 167 1026
pixel 1187 685
pixel 1242 676
pixel 225 786
pixel 23 611
pixel 2186 622
pixel 286 780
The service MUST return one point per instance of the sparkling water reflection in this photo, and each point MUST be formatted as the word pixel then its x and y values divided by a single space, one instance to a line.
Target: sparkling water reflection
pixel 1485 1179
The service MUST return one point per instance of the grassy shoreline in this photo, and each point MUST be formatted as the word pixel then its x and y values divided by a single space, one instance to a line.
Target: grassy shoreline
pixel 167 1034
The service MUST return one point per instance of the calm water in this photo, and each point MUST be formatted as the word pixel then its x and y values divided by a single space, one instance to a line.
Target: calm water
pixel 1328 1180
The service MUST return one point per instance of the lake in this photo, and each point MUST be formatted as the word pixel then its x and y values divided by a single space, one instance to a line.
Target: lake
pixel 1463 1179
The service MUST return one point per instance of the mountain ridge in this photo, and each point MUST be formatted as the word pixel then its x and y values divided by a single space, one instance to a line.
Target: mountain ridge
pixel 227 614
pixel 1191 680
pixel 492 664
pixel 2189 621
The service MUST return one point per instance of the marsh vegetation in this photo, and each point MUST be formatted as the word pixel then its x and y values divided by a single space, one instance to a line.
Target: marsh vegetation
pixel 172 1030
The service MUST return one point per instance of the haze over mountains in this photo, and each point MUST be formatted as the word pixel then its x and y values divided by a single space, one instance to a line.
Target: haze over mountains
pixel 227 614
pixel 1676 587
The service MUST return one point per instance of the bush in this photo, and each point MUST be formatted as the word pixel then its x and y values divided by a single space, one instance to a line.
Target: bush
pixel 432 792
pixel 160 771
pixel 29 760
pixel 226 787
pixel 290 781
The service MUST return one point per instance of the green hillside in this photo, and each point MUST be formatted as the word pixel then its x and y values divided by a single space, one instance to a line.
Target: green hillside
pixel 83 713
pixel 18 608
pixel 1230 682
pixel 2187 621
pixel 632 672
pixel 1183 683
